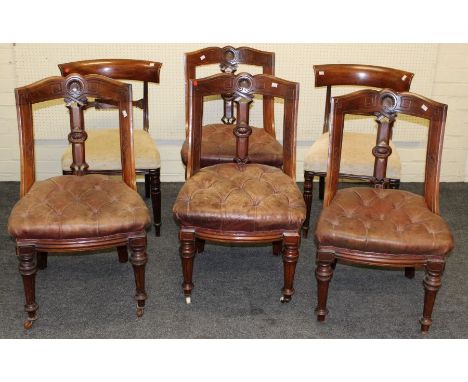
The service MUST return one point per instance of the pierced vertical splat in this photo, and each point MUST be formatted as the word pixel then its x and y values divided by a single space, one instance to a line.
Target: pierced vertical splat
pixel 76 102
pixel 229 65
pixel 243 98
pixel 385 120
pixel 77 138
pixel 228 117
pixel 242 131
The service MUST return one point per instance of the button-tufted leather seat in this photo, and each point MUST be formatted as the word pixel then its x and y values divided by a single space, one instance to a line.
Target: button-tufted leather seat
pixel 219 146
pixel 69 206
pixel 384 221
pixel 226 197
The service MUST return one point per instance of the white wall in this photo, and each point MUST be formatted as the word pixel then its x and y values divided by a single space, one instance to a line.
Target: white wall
pixel 441 73
pixel 451 87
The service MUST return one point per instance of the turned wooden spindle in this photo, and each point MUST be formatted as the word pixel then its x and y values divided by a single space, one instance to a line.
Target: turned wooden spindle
pixel 382 151
pixel 77 138
pixel 242 131
pixel 228 116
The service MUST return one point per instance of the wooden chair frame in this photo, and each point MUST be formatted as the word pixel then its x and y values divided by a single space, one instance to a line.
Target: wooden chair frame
pixel 385 105
pixel 350 75
pixel 229 59
pixel 130 70
pixel 243 86
pixel 75 89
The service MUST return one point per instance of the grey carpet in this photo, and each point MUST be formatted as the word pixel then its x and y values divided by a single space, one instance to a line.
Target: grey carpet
pixel 237 290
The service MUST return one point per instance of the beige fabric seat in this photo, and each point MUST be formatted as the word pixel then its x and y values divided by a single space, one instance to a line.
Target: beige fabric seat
pixel 356 156
pixel 103 150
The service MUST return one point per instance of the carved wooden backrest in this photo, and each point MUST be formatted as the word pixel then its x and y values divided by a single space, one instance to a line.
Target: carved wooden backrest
pixel 385 105
pixel 229 59
pixel 359 75
pixel 243 87
pixel 118 69
pixel 74 89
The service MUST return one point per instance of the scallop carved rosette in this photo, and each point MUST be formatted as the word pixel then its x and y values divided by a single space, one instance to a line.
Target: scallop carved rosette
pixel 76 92
pixel 230 61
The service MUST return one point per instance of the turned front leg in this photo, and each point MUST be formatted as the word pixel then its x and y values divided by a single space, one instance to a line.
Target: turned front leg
pixel 432 282
pixel 323 274
pixel 290 257
pixel 187 254
pixel 28 270
pixel 139 258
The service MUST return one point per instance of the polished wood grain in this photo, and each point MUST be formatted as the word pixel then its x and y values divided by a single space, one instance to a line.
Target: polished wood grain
pixel 75 90
pixel 385 105
pixel 350 75
pixel 242 87
pixel 372 102
pixel 229 58
pixel 260 84
pixel 132 70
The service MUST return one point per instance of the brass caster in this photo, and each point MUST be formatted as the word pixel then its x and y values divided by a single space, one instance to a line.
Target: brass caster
pixel 284 299
pixel 28 324
pixel 188 300
pixel 140 310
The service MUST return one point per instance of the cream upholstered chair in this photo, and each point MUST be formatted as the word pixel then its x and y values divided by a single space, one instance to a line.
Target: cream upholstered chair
pixel 103 145
pixel 357 161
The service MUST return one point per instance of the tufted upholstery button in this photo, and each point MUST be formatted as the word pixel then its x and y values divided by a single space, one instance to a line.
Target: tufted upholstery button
pixel 223 196
pixel 219 146
pixel 385 221
pixel 69 206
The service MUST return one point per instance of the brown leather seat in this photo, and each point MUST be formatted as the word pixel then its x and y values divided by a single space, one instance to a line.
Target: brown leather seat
pixel 382 220
pixel 380 226
pixel 81 211
pixel 69 206
pixel 253 199
pixel 219 146
pixel 104 158
pixel 241 201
